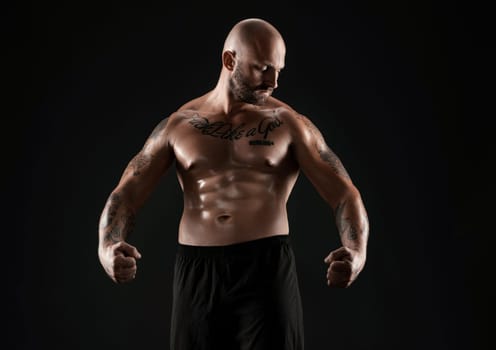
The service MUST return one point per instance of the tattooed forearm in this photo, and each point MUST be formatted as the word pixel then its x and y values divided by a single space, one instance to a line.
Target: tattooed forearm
pixel 113 236
pixel 120 227
pixel 117 220
pixel 112 205
pixel 352 233
pixel 328 156
pixel 345 225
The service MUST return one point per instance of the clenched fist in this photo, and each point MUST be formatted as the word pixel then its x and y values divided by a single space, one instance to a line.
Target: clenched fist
pixel 119 261
pixel 344 266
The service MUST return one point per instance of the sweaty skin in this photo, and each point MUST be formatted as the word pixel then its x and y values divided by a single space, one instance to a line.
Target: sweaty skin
pixel 236 173
pixel 237 152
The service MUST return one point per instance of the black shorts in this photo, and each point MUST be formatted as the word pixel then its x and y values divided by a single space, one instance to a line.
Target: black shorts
pixel 242 296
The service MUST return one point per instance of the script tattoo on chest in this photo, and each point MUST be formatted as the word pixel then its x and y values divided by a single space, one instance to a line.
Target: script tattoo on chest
pixel 233 132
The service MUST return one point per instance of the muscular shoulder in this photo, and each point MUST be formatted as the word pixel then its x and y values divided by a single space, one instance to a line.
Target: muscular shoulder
pixel 302 129
pixel 164 129
pixel 196 104
pixel 179 117
pixel 177 123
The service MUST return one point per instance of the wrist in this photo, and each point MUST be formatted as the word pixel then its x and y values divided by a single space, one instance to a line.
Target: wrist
pixel 103 247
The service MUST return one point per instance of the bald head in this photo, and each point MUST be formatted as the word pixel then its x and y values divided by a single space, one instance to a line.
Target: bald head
pixel 253 34
pixel 252 58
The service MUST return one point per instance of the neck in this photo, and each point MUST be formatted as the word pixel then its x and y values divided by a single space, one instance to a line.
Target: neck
pixel 221 98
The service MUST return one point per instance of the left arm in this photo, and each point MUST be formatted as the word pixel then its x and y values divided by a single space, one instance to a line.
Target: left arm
pixel 328 175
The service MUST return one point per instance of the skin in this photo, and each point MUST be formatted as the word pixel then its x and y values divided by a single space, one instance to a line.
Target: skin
pixel 238 152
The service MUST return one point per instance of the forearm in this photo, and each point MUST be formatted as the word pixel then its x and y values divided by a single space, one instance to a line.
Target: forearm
pixel 117 220
pixel 352 222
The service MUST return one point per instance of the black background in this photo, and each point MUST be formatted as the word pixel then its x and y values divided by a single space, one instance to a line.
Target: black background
pixel 400 89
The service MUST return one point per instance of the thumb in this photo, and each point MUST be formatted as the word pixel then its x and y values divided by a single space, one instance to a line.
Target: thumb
pixel 327 259
pixel 342 253
pixel 128 250
pixel 332 255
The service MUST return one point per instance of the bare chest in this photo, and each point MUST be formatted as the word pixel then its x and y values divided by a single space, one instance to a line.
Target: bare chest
pixel 209 143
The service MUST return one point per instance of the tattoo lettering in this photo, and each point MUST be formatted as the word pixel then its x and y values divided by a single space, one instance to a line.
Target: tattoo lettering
pixel 267 125
pixel 228 131
pixel 222 130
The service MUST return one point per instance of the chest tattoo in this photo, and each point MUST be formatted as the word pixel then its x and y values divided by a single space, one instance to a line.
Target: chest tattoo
pixel 228 131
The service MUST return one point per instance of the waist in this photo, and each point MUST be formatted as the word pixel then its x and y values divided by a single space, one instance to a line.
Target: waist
pixel 247 248
pixel 228 226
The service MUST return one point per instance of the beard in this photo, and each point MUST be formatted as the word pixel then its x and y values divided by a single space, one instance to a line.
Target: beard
pixel 242 90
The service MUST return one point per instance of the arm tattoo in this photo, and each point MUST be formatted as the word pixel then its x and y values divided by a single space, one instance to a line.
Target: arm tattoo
pixel 140 161
pixel 120 227
pixel 117 220
pixel 328 156
pixel 113 204
pixel 344 224
pixel 113 236
pixel 352 233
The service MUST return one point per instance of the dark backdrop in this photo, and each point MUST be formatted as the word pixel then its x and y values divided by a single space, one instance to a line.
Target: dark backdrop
pixel 398 88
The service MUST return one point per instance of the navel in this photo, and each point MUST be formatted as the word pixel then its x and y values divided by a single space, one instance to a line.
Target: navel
pixel 222 219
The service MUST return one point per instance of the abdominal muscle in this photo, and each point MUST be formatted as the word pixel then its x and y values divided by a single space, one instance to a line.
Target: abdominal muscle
pixel 232 207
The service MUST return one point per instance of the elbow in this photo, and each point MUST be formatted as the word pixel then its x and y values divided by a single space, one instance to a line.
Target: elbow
pixel 123 197
pixel 347 193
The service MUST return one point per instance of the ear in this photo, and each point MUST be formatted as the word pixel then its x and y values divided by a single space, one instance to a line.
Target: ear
pixel 228 59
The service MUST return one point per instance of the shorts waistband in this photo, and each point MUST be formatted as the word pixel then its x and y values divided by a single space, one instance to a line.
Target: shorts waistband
pixel 248 247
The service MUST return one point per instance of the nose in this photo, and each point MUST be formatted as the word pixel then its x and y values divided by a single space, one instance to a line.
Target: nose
pixel 270 78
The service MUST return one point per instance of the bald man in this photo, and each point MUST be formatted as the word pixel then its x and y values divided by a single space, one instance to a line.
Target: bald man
pixel 238 152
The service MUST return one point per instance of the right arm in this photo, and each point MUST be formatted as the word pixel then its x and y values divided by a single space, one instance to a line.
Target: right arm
pixel 138 180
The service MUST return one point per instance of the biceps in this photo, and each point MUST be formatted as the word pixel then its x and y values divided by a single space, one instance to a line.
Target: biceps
pixel 327 156
pixel 141 165
pixel 324 170
pixel 312 148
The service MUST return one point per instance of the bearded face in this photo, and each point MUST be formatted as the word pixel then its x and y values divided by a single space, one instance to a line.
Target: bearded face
pixel 244 91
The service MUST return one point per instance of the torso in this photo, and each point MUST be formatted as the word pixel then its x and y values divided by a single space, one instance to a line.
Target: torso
pixel 236 173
